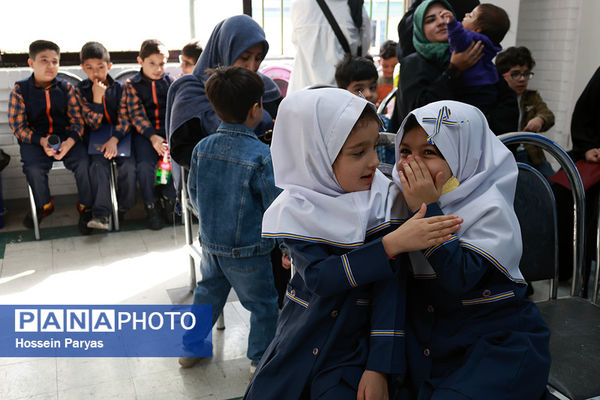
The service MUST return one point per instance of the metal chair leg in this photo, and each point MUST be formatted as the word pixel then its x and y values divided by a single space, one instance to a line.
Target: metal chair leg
pixel 113 195
pixel 220 322
pixel 34 217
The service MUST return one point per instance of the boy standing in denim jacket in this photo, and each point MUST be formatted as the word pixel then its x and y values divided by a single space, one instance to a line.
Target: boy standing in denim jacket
pixel 99 97
pixel 40 106
pixel 231 184
pixel 143 105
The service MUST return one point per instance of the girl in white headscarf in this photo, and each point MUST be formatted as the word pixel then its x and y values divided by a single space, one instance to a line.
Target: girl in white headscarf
pixel 471 333
pixel 343 311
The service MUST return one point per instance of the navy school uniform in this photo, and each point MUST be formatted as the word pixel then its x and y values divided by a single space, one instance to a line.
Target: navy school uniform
pixel 36 112
pixel 471 333
pixel 144 102
pixel 343 313
pixel 95 115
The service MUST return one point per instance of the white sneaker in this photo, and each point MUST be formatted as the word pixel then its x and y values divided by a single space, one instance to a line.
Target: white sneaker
pixel 99 223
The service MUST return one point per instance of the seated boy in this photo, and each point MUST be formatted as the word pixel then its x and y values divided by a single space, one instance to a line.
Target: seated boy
pixel 515 64
pixel 189 56
pixel 231 184
pixel 359 76
pixel 143 106
pixel 388 61
pixel 486 23
pixel 99 97
pixel 40 106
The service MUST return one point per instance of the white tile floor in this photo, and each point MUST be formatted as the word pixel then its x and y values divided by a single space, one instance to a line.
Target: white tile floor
pixel 135 267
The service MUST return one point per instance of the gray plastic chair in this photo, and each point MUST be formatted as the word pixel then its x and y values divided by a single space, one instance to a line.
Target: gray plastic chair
pixel 125 74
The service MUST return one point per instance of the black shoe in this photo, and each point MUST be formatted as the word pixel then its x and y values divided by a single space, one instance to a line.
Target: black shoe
pixel 46 210
pixel 168 209
pixel 85 216
pixel 155 221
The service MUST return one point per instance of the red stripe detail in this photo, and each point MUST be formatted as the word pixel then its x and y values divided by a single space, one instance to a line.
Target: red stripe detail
pixel 50 121
pixel 155 99
pixel 106 111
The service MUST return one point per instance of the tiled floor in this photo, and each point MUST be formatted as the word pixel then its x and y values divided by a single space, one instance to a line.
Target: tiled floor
pixel 127 267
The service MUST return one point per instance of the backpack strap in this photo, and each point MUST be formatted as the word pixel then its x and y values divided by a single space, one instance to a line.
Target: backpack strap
pixel 336 28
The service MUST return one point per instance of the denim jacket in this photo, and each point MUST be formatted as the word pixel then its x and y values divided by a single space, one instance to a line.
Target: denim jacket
pixel 231 185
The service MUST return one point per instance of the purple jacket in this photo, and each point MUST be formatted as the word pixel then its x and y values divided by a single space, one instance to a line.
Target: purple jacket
pixel 482 73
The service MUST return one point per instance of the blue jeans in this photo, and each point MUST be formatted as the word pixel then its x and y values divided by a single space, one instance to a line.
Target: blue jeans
pixel 252 280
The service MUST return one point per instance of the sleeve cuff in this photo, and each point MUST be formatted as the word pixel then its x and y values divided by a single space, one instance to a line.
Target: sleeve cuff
pixel 118 134
pixel 433 210
pixel 149 132
pixel 74 136
pixel 97 108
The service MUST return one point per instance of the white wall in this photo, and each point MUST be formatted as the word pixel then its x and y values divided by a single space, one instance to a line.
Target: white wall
pixel 551 29
pixel 512 9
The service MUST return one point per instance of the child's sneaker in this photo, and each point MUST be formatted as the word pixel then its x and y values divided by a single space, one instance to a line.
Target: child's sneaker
pixel 102 222
pixel 155 221
pixel 46 210
pixel 189 362
pixel 85 216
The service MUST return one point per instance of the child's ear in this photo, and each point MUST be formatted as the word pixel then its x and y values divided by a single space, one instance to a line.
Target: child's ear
pixel 30 62
pixel 256 110
pixel 108 66
pixel 139 60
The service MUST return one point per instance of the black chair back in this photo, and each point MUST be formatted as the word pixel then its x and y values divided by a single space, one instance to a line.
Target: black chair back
pixel 536 210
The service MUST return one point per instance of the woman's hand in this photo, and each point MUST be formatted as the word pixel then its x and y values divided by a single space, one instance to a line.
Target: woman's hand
pixel 417 183
pixel 593 155
pixel 466 59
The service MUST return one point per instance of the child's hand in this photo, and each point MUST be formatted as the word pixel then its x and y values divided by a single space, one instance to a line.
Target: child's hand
pixel 417 183
pixel 447 16
pixel 286 263
pixel 534 125
pixel 64 148
pixel 419 233
pixel 110 148
pixel 98 90
pixel 50 152
pixel 157 143
pixel 372 386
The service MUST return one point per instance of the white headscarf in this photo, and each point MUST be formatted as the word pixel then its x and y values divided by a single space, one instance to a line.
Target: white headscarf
pixel 310 130
pixel 487 175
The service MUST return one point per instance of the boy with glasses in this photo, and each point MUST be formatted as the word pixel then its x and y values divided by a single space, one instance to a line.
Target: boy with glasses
pixel 189 56
pixel 515 65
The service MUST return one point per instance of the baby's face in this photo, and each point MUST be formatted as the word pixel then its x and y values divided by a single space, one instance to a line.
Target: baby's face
pixel 470 20
pixel 414 142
